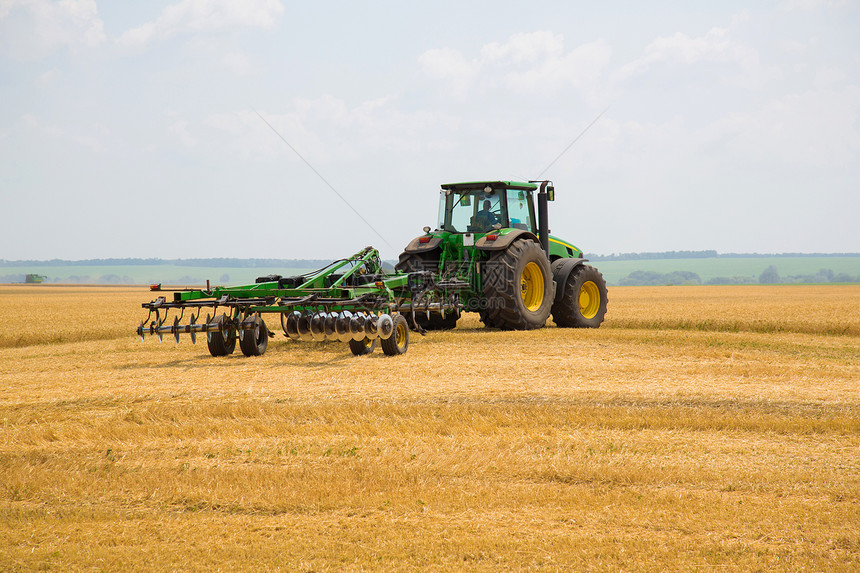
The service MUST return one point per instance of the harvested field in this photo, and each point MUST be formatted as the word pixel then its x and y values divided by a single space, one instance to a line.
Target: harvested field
pixel 700 428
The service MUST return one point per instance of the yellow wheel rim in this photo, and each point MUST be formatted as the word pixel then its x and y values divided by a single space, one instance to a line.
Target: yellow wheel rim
pixel 532 286
pixel 368 343
pixel 400 334
pixel 589 299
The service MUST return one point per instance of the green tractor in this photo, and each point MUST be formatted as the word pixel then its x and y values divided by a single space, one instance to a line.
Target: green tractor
pixel 493 249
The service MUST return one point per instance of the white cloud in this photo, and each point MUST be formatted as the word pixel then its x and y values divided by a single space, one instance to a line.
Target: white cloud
pixel 202 16
pixel 580 68
pixel 324 130
pixel 94 138
pixel 180 131
pixel 31 30
pixel 719 45
pixel 818 128
pixel 524 48
pixel 239 63
pixel 811 5
pixel 48 78
pixel 534 63
pixel 450 68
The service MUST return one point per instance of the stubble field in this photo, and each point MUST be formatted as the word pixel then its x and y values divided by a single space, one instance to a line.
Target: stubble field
pixel 700 428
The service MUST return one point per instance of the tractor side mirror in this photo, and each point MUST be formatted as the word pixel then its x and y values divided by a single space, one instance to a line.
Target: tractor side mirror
pixel 466 200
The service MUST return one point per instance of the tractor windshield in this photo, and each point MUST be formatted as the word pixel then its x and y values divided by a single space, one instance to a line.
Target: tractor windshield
pixel 473 211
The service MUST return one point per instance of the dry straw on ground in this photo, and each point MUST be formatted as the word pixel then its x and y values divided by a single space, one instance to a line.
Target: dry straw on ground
pixel 699 428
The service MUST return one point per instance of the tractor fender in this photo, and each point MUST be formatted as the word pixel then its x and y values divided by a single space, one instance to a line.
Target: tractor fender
pixel 561 269
pixel 503 241
pixel 415 246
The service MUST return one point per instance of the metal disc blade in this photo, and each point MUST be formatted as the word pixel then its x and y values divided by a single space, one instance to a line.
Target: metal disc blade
pixel 385 326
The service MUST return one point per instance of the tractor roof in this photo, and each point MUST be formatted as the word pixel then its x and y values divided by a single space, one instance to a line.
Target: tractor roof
pixel 479 185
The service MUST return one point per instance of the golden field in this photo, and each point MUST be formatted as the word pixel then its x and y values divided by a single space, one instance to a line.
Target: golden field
pixel 701 428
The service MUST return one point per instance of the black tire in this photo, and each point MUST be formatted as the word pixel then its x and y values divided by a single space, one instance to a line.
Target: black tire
pixel 410 263
pixel 398 343
pixel 518 287
pixel 254 342
pixel 218 343
pixel 414 262
pixel 583 302
pixel 362 347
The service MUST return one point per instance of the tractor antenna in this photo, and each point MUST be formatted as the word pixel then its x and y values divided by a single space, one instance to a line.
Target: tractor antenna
pixel 575 139
pixel 342 198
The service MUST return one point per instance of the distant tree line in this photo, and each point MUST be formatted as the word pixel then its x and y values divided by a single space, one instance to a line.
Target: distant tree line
pixel 709 254
pixel 652 278
pixel 110 279
pixel 316 263
pixel 217 262
pixel 652 256
pixel 769 276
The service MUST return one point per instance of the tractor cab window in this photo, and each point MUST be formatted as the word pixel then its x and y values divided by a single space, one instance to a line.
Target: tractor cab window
pixel 470 211
pixel 519 210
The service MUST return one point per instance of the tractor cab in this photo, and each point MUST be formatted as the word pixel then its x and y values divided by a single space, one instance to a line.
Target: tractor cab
pixel 481 207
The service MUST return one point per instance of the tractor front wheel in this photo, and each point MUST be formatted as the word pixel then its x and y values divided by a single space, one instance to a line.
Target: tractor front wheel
pixel 518 288
pixel 583 302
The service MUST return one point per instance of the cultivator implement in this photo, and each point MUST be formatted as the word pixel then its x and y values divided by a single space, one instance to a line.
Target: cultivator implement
pixel 351 300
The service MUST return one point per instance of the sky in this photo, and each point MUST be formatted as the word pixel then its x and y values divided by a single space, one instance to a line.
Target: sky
pixel 280 129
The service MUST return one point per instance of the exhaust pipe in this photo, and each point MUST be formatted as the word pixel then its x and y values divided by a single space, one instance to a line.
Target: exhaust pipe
pixel 543 218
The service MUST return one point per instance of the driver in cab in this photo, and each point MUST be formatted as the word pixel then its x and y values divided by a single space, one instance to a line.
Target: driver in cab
pixel 485 219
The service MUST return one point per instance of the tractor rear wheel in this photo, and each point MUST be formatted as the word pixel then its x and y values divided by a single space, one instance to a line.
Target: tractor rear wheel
pixel 583 301
pixel 362 347
pixel 518 287
pixel 221 342
pixel 253 342
pixel 398 342
pixel 414 262
pixel 410 263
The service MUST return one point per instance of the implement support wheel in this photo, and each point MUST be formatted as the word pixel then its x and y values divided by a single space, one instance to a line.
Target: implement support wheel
pixel 398 343
pixel 362 347
pixel 253 342
pixel 221 342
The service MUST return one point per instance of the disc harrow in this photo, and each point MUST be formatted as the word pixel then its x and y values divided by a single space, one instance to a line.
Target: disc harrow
pixel 352 300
